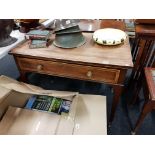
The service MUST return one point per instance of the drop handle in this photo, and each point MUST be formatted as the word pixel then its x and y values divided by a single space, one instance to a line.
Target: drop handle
pixel 39 67
pixel 89 74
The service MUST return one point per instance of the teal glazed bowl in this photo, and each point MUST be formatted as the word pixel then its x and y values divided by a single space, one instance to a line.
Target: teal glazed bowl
pixel 71 40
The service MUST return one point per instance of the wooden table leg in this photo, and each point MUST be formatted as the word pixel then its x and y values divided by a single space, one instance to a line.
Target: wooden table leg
pixel 117 94
pixel 23 76
pixel 148 106
pixel 135 90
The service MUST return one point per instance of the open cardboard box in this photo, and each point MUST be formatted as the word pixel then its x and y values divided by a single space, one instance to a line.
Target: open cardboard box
pixel 87 114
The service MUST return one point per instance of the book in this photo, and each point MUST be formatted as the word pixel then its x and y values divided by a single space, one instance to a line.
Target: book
pixel 38 34
pixel 39 43
pixel 48 104
pixel 56 104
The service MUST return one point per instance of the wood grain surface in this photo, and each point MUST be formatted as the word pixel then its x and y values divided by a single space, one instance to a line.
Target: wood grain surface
pixel 89 53
pixel 82 72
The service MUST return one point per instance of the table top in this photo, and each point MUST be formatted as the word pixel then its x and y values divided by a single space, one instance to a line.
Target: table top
pixel 89 53
pixel 150 79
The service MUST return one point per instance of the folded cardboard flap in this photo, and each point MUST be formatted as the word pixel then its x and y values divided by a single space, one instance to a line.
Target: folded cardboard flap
pixel 25 121
pixel 87 113
pixel 18 101
pixel 12 118
pixel 3 93
pixel 13 98
pixel 17 94
pixel 21 87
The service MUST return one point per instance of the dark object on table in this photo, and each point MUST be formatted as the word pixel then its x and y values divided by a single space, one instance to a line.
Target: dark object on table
pixel 61 24
pixel 68 34
pixel 89 25
pixel 73 29
pixel 70 40
pixel 38 34
pixel 39 38
pixel 27 24
pixel 6 27
pixel 39 43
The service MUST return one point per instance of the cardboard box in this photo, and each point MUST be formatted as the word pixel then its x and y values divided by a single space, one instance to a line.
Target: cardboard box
pixel 87 114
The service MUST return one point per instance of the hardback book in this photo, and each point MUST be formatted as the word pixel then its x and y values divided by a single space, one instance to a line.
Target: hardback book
pixel 38 34
pixel 48 104
pixel 39 43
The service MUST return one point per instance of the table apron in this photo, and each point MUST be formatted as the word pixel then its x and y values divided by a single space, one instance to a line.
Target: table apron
pixel 77 71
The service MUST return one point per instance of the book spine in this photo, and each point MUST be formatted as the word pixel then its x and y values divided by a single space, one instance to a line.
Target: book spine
pixel 31 102
pixel 37 46
pixel 35 37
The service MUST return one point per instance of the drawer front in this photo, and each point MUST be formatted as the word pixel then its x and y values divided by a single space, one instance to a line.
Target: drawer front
pixel 98 74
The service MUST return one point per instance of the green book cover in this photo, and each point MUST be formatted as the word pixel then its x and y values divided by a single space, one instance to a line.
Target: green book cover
pixel 39 32
pixel 56 103
pixel 39 43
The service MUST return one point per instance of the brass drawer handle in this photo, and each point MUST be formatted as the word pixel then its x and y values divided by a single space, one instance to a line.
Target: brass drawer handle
pixel 89 74
pixel 39 67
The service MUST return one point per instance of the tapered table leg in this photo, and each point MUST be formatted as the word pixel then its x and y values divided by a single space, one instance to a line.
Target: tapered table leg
pixel 148 106
pixel 23 76
pixel 117 94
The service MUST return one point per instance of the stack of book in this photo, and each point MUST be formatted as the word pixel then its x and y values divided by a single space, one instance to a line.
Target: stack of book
pixel 38 38
pixel 48 104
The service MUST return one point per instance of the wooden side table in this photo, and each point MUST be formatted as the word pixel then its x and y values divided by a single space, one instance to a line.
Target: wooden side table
pixel 149 92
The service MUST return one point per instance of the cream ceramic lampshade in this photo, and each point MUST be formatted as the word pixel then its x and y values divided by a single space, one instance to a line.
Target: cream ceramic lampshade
pixel 109 36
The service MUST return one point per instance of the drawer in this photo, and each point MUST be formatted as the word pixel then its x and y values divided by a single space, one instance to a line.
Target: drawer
pixel 76 71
